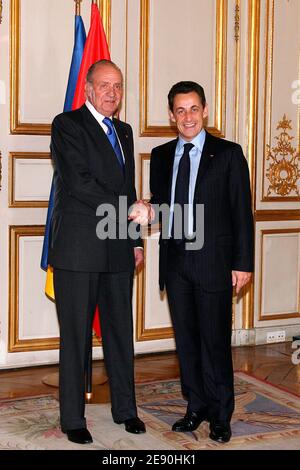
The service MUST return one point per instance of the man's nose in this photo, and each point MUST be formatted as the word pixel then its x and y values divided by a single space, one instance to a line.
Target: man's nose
pixel 188 116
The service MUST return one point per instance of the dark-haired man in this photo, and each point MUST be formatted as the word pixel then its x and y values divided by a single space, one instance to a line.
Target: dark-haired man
pixel 200 169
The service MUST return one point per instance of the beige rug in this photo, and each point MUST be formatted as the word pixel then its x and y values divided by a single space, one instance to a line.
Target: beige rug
pixel 265 418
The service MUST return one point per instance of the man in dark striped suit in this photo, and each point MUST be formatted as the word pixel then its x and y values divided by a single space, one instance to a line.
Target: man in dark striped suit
pixel 200 169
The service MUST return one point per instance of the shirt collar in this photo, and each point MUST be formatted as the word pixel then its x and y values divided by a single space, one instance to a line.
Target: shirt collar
pixel 98 116
pixel 198 141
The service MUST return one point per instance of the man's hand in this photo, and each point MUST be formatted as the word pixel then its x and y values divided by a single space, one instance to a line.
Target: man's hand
pixel 142 212
pixel 139 257
pixel 240 279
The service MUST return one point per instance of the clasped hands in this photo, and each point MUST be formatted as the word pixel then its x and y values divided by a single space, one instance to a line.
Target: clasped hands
pixel 142 212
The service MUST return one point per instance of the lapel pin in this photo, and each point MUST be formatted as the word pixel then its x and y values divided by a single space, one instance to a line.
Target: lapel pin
pixel 211 156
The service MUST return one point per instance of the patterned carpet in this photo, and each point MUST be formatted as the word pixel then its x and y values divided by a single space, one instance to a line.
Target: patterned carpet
pixel 265 418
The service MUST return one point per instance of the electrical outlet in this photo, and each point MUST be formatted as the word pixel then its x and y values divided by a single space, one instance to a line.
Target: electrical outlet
pixel 280 335
pixel 271 337
pixel 275 336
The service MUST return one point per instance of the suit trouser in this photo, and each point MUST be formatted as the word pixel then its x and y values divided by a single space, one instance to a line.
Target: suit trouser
pixel 77 294
pixel 202 325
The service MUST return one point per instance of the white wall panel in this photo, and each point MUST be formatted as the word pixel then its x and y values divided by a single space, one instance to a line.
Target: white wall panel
pixel 37 315
pixel 181 47
pixel 46 44
pixel 157 313
pixel 32 179
pixel 280 273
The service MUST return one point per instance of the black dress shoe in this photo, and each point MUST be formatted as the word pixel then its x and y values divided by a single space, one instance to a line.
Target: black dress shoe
pixel 80 436
pixel 220 432
pixel 190 422
pixel 135 426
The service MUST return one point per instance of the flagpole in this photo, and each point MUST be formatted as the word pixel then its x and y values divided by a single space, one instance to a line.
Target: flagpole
pixel 89 364
pixel 77 7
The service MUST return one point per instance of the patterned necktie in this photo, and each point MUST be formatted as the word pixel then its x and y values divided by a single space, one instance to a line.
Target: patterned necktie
pixel 182 189
pixel 112 136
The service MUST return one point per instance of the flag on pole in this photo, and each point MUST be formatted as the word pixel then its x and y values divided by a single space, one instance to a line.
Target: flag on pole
pixel 85 53
pixel 95 48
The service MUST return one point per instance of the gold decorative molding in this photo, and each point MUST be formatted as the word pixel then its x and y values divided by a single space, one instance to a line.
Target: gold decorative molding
pixel 237 21
pixel 16 126
pixel 1 8
pixel 144 157
pixel 268 108
pixel 237 60
pixel 283 171
pixel 273 215
pixel 142 333
pixel 252 113
pixel 282 315
pixel 13 156
pixel 16 344
pixel 148 130
pixel 105 11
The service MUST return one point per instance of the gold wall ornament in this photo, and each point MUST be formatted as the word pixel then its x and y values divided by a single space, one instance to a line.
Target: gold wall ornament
pixel 1 11
pixel 237 21
pixel 284 167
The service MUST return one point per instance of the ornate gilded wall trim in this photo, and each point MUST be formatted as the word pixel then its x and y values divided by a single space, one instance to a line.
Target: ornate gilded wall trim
pixel 237 21
pixel 276 215
pixel 142 332
pixel 237 68
pixel 252 113
pixel 16 126
pixel 105 10
pixel 15 343
pixel 13 158
pixel 1 7
pixel 218 128
pixel 283 170
pixel 267 192
pixel 272 316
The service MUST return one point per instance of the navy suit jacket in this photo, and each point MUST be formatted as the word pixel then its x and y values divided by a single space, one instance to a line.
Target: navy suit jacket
pixel 87 174
pixel 223 187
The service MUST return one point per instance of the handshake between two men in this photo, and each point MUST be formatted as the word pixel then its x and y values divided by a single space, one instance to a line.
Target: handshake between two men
pixel 142 212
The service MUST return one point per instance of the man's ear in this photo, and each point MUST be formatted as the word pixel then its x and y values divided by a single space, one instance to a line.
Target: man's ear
pixel 205 111
pixel 171 116
pixel 86 89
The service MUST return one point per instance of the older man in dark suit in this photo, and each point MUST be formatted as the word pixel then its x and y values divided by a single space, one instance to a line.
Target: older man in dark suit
pixel 200 169
pixel 94 169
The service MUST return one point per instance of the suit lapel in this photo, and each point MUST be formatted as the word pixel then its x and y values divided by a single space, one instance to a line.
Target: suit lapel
pixel 206 157
pixel 123 137
pixel 169 161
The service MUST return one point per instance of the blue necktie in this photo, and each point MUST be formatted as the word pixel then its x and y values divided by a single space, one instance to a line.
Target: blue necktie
pixel 112 136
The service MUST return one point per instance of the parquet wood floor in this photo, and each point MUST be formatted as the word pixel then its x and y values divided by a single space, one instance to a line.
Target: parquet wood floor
pixel 267 362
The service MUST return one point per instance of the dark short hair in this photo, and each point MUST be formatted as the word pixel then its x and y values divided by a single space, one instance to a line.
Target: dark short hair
pixel 186 87
pixel 100 63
